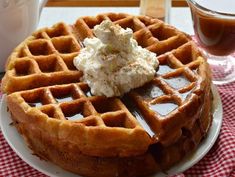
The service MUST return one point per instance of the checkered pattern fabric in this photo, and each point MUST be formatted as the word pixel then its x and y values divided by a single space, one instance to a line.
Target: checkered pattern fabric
pixel 220 161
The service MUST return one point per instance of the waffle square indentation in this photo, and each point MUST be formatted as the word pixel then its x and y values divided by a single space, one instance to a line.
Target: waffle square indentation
pixel 118 120
pixel 64 94
pixel 40 47
pixel 75 110
pixel 48 65
pixel 24 67
pixel 104 105
pixel 35 98
pixel 56 31
pixel 65 45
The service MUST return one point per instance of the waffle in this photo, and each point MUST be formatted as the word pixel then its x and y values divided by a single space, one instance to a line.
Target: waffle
pixel 147 130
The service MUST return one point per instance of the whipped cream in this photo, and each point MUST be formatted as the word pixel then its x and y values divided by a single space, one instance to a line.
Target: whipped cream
pixel 113 63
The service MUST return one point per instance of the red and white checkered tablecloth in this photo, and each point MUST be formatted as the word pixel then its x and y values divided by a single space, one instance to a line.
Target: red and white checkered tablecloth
pixel 219 162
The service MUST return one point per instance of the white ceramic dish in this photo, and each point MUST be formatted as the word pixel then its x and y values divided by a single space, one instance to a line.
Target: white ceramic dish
pixel 17 144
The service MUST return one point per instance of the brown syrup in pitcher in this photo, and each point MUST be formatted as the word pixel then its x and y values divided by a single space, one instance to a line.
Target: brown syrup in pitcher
pixel 215 34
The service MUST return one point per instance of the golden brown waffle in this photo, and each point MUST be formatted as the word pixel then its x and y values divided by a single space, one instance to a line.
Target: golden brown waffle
pixel 68 113
pixel 176 88
pixel 147 130
pixel 45 58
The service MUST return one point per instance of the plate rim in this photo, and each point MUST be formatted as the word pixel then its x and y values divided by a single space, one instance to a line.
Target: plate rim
pixel 186 163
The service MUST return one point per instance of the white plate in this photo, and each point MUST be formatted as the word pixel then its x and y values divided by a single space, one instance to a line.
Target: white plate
pixel 17 144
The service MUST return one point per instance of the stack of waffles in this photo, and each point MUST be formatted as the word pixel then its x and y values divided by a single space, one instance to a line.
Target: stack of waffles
pixel 147 130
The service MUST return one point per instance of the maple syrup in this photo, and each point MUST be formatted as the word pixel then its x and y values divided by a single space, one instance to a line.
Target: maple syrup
pixel 215 32
pixel 163 69
pixel 177 82
pixel 77 116
pixel 163 108
pixel 137 114
pixel 65 98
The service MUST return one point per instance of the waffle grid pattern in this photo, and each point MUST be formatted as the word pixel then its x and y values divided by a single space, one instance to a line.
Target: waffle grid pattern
pixel 174 86
pixel 152 34
pixel 46 58
pixel 182 83
pixel 218 161
pixel 61 43
pixel 74 101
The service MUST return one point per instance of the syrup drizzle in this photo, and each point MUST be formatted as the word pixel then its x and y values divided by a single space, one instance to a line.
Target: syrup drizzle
pixel 163 69
pixel 136 113
pixel 77 116
pixel 184 95
pixel 178 82
pixel 65 98
pixel 150 92
pixel 163 108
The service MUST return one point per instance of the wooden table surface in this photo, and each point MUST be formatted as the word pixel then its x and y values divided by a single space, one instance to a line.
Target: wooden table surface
pixel 127 3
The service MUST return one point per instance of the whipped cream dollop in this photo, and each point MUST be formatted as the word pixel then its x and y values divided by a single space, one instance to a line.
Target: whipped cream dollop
pixel 113 63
